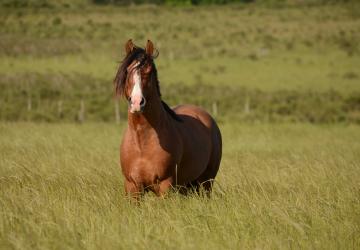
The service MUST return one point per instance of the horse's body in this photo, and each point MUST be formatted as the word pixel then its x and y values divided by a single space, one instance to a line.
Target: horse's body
pixel 164 148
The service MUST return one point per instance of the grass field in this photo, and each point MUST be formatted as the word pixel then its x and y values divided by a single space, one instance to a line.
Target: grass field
pixel 285 84
pixel 285 186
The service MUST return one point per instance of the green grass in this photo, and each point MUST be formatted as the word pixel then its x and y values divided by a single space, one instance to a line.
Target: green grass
pixel 277 70
pixel 279 186
pixel 304 47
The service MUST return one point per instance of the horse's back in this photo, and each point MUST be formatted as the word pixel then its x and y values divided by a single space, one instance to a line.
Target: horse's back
pixel 196 113
pixel 203 138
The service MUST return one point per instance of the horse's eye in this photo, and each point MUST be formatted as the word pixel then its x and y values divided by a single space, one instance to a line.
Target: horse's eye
pixel 143 66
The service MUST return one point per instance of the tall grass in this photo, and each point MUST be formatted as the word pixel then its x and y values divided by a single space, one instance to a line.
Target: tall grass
pixel 279 186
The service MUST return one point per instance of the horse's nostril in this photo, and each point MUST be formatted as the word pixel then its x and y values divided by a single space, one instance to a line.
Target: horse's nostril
pixel 143 101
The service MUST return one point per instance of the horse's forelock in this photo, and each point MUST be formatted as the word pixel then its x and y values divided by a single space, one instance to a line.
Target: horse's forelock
pixel 121 75
pixel 120 78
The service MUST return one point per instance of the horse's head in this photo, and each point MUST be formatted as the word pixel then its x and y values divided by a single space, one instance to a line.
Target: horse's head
pixel 136 78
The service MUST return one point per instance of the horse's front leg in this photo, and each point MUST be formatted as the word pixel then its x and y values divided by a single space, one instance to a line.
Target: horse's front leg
pixel 163 187
pixel 133 191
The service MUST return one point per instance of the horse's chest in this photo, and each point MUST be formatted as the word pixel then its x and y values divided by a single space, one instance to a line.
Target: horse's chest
pixel 148 167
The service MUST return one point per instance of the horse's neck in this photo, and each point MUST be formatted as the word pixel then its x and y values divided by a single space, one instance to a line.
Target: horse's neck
pixel 143 126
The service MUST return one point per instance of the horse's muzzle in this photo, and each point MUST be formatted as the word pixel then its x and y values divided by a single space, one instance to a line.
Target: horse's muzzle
pixel 137 106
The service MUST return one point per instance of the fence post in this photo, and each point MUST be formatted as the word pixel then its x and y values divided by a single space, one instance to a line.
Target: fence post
pixel 81 114
pixel 29 107
pixel 215 109
pixel 247 105
pixel 29 104
pixel 60 109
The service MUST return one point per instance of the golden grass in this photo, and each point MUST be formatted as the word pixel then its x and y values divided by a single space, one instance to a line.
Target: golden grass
pixel 279 186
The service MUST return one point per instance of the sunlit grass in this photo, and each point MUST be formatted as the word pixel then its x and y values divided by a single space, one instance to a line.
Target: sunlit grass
pixel 243 45
pixel 279 186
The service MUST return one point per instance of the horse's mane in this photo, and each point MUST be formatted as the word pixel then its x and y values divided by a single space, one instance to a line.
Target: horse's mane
pixel 121 75
pixel 171 112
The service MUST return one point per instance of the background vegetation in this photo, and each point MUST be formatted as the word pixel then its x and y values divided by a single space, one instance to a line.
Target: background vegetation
pixel 281 78
pixel 256 63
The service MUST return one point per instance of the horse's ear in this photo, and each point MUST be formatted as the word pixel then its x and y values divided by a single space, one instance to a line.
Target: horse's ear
pixel 149 48
pixel 129 46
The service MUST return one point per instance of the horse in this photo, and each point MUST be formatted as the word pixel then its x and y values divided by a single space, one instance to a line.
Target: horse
pixel 162 148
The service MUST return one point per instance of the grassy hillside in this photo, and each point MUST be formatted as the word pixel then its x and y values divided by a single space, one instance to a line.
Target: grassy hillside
pixel 303 59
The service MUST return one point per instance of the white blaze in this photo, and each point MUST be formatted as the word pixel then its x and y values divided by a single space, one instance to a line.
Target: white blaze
pixel 136 91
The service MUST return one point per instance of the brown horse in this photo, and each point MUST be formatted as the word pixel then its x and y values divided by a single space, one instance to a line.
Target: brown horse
pixel 162 147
